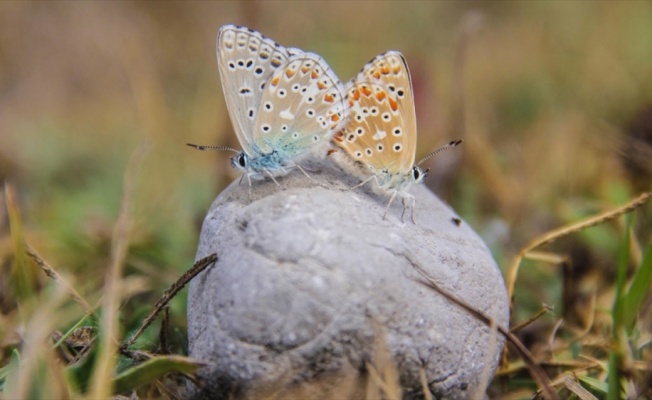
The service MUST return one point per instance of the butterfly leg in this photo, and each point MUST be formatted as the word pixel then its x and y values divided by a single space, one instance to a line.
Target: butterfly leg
pixel 404 208
pixel 365 181
pixel 271 176
pixel 391 199
pixel 406 201
pixel 305 173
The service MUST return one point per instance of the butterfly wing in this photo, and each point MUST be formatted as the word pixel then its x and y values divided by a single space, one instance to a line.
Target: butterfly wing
pixel 381 133
pixel 302 104
pixel 246 60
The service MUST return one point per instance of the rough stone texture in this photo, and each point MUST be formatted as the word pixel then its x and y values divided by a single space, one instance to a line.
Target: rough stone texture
pixel 312 284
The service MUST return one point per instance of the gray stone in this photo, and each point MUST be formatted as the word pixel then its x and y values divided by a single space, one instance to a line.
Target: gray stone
pixel 313 289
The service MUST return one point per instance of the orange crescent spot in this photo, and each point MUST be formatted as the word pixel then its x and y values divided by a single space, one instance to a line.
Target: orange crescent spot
pixel 335 117
pixel 290 73
pixel 380 96
pixel 365 90
pixel 376 75
pixel 397 70
pixel 338 137
pixel 314 74
pixel 331 151
pixel 350 103
pixel 329 98
pixel 393 104
pixel 384 70
pixel 275 81
pixel 304 70
pixel 321 86
pixel 356 95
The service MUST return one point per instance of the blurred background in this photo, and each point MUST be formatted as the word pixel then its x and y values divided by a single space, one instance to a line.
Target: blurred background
pixel 552 99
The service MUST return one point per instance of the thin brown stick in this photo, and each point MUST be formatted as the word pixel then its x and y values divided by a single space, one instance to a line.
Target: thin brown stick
pixel 546 309
pixel 169 293
pixel 49 271
pixel 535 369
pixel 566 230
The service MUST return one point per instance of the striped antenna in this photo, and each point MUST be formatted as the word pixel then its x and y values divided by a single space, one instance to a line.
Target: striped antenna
pixel 442 148
pixel 220 148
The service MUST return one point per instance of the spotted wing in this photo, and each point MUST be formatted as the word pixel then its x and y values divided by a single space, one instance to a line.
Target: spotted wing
pixel 246 60
pixel 381 133
pixel 303 103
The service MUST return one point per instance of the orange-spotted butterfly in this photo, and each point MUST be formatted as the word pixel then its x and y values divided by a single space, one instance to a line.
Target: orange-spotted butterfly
pixel 381 135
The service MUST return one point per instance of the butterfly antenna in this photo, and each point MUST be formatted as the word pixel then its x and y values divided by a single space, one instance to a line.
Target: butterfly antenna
pixel 220 148
pixel 442 148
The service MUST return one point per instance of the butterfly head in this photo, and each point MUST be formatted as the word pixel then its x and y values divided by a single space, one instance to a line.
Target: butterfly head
pixel 240 162
pixel 417 174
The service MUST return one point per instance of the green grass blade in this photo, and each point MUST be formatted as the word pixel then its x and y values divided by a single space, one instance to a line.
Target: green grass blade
pixel 9 374
pixel 616 354
pixel 638 289
pixel 152 369
pixel 595 385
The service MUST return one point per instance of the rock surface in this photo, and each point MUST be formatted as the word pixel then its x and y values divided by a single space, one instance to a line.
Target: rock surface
pixel 314 294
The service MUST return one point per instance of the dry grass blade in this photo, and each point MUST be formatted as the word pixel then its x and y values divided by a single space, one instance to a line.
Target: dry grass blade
pixel 49 271
pixel 576 388
pixel 535 369
pixel 104 368
pixel 558 233
pixel 424 384
pixel 198 267
pixel 539 314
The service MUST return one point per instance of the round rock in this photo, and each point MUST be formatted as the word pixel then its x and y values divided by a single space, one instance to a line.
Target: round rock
pixel 314 294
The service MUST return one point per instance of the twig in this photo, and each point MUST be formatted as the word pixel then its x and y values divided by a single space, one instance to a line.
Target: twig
pixel 169 293
pixel 558 233
pixel 546 309
pixel 535 369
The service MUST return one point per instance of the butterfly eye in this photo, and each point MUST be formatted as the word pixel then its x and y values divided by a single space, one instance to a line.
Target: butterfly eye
pixel 242 160
pixel 416 173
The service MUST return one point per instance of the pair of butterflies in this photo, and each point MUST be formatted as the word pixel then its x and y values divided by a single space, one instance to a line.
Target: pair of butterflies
pixel 283 101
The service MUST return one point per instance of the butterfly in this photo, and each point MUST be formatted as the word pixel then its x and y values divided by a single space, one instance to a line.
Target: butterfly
pixel 281 101
pixel 381 135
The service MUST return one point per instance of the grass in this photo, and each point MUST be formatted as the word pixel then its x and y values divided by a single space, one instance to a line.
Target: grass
pixel 101 202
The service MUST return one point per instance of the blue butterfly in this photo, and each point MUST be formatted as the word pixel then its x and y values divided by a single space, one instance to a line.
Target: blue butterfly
pixel 282 102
